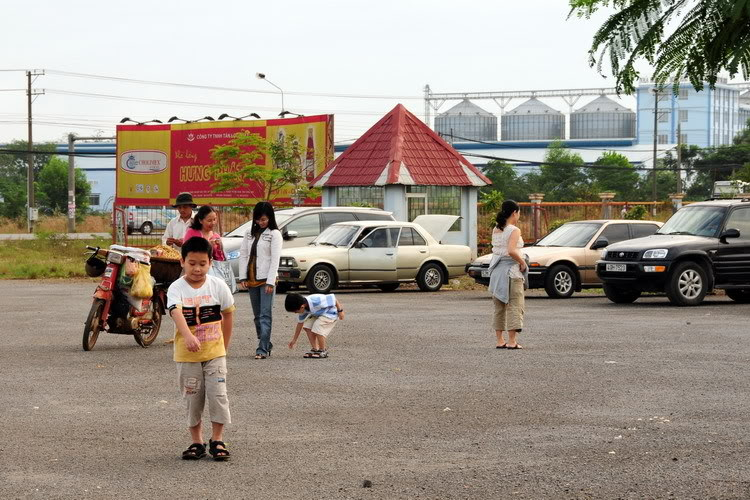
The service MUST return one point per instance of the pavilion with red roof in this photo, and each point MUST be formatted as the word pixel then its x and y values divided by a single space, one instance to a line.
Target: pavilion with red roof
pixel 404 167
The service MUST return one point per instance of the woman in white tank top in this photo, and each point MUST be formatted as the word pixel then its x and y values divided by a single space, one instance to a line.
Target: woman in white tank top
pixel 507 243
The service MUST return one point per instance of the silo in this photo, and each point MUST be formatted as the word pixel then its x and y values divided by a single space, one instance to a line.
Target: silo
pixel 464 121
pixel 533 121
pixel 602 118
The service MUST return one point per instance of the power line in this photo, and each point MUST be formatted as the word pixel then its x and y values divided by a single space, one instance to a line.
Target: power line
pixel 225 89
pixel 607 167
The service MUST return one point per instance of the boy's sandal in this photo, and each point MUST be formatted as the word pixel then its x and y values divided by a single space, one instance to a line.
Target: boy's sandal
pixel 320 354
pixel 309 354
pixel 219 454
pixel 260 356
pixel 195 451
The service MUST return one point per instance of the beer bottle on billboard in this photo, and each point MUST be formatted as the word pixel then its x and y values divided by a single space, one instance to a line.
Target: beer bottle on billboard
pixel 310 156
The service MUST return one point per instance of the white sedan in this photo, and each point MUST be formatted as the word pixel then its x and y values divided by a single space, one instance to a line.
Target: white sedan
pixel 381 253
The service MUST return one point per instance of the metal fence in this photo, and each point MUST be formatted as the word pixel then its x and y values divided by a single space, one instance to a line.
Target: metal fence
pixel 144 227
pixel 551 214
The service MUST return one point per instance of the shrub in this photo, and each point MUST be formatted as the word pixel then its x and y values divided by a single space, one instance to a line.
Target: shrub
pixel 638 212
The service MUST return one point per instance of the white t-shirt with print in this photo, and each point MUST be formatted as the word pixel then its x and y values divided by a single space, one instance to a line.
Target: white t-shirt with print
pixel 202 308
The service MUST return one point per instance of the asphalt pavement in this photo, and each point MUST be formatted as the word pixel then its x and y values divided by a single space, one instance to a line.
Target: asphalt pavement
pixel 605 401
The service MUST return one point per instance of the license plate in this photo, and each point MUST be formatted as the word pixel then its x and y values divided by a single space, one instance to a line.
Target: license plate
pixel 485 273
pixel 620 268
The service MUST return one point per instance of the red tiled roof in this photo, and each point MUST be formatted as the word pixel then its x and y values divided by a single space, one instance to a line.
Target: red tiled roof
pixel 400 149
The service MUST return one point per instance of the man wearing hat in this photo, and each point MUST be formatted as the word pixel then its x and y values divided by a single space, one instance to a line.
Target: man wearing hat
pixel 176 228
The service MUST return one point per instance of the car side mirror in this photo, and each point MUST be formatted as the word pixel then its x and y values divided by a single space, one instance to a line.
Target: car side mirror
pixel 729 233
pixel 290 235
pixel 600 243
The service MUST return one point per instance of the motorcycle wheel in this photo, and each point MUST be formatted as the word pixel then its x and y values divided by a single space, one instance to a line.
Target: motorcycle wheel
pixel 93 325
pixel 146 334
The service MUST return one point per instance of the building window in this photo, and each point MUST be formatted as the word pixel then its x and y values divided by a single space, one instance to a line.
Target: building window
pixel 662 139
pixel 683 115
pixel 94 199
pixel 352 196
pixel 663 116
pixel 684 94
pixel 443 200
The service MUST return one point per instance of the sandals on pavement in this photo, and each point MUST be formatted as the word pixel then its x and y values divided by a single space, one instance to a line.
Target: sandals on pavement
pixel 260 356
pixel 504 346
pixel 310 353
pixel 219 454
pixel 195 451
pixel 517 346
pixel 320 354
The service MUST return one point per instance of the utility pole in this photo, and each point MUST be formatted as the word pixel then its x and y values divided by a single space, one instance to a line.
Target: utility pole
pixel 71 184
pixel 679 160
pixel 656 125
pixel 31 214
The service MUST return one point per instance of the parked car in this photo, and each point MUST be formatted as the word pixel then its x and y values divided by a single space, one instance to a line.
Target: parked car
pixel 300 226
pixel 703 246
pixel 564 261
pixel 380 253
pixel 148 219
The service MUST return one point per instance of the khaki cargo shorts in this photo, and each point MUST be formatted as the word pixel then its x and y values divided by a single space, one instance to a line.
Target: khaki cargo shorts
pixel 319 325
pixel 205 381
pixel 510 316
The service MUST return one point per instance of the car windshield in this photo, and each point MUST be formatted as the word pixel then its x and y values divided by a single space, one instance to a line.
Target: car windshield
pixel 570 235
pixel 696 221
pixel 240 231
pixel 339 236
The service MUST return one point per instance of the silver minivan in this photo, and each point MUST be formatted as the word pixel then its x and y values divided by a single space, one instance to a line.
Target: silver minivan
pixel 299 226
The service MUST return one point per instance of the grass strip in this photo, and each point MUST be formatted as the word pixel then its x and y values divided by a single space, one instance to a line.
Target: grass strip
pixel 50 256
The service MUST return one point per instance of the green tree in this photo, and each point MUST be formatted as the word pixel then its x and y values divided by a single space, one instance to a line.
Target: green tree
pixel 13 175
pixel 240 162
pixel 680 38
pixel 666 184
pixel 505 179
pixel 561 178
pixel 52 188
pixel 614 172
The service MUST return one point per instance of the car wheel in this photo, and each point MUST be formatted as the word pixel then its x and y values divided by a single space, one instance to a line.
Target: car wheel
pixel 739 295
pixel 620 295
pixel 687 285
pixel 560 282
pixel 430 278
pixel 320 279
pixel 146 228
pixel 388 287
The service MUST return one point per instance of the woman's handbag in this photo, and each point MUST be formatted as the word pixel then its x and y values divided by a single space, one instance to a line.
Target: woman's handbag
pixel 223 269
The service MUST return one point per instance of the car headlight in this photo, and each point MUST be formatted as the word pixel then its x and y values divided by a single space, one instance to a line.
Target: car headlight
pixel 655 253
pixel 287 262
pixel 233 255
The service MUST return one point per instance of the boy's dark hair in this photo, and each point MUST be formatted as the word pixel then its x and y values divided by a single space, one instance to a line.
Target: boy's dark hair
pixel 294 301
pixel 198 245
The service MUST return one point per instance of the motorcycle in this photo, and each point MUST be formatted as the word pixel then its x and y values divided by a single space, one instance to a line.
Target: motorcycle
pixel 113 309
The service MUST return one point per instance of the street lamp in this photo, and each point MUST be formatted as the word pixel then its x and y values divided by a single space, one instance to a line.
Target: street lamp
pixel 262 76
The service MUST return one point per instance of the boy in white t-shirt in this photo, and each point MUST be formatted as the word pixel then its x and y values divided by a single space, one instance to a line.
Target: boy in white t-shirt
pixel 318 314
pixel 202 307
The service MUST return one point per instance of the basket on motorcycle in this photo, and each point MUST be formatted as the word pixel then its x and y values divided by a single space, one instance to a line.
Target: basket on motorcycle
pixel 95 266
pixel 165 270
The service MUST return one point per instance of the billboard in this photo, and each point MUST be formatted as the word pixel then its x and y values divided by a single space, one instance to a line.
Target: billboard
pixel 157 162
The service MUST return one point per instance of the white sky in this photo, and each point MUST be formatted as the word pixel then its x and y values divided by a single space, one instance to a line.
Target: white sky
pixel 388 47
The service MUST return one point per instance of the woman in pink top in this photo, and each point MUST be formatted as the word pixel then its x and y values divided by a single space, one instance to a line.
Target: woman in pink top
pixel 203 225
